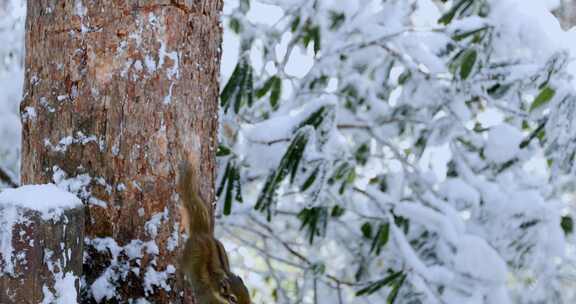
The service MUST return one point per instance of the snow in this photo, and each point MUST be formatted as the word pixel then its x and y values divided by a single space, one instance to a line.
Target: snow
pixel 461 193
pixel 48 297
pixel 444 153
pixel 154 223
pixel 102 288
pixel 8 217
pixel 527 23
pixel 426 14
pixel 65 290
pixel 29 113
pixel 300 62
pixel 150 64
pixel 474 251
pixel 77 185
pixel 434 273
pixel 158 278
pixel 174 239
pixel 435 220
pixel 503 143
pixel 46 199
pixel 65 142
pixel 79 8
pixel 168 98
pixel 479 204
pixel 134 249
pixel 264 13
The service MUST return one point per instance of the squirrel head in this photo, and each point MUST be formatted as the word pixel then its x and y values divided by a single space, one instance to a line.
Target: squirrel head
pixel 239 292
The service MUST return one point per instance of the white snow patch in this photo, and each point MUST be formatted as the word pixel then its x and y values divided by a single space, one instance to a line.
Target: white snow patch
pixel 503 143
pixel 168 98
pixel 65 142
pixel 460 193
pixel 79 8
pixel 150 64
pixel 77 185
pixel 65 290
pixel 8 217
pixel 29 113
pixel 154 223
pixel 474 251
pixel 158 278
pixel 46 199
pixel 102 288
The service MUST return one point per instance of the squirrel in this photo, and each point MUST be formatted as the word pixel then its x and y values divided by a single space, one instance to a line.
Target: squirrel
pixel 204 262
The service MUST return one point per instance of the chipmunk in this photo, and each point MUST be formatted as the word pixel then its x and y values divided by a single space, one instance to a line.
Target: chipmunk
pixel 205 262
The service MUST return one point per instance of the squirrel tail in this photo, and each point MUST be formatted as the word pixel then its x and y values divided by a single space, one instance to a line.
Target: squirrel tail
pixel 197 211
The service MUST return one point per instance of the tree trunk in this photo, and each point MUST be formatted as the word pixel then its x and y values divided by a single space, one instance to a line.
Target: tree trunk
pixel 116 94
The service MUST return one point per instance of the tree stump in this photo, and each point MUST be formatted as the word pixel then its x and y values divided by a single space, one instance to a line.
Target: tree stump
pixel 41 245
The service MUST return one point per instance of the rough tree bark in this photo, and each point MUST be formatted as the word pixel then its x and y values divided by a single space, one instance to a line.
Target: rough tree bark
pixel 116 94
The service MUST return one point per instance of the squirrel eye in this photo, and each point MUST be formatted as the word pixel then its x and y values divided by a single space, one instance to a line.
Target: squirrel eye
pixel 233 299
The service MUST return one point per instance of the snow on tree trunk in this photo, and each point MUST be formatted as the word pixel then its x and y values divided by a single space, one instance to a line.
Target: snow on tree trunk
pixel 116 94
pixel 41 241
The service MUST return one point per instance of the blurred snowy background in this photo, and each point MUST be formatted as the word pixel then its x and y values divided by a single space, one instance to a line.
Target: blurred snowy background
pixel 12 15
